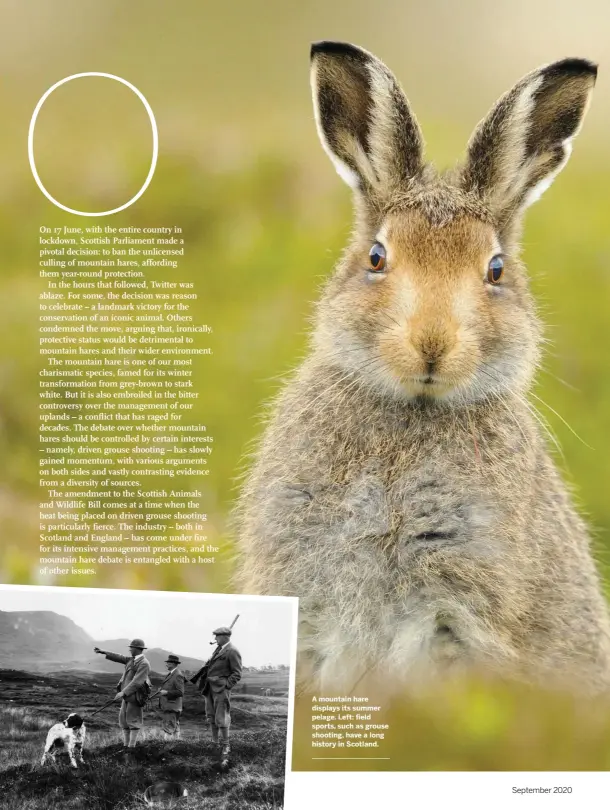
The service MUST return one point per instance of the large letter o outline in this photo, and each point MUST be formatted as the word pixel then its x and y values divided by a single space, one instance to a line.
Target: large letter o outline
pixel 155 152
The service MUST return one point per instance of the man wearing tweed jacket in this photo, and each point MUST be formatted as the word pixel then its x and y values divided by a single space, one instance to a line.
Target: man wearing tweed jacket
pixel 223 672
pixel 170 700
pixel 131 689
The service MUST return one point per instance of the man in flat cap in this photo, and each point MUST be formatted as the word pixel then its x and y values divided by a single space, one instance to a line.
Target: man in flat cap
pixel 170 700
pixel 133 689
pixel 216 679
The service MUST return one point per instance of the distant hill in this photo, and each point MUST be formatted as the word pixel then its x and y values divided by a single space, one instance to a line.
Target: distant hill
pixel 42 640
pixel 38 635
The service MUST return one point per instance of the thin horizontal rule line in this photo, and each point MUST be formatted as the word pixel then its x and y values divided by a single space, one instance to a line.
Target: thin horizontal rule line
pixel 350 757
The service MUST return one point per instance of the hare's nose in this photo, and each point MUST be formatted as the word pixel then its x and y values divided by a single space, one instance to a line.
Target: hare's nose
pixel 432 347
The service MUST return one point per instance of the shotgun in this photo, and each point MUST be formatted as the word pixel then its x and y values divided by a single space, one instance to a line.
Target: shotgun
pixel 105 706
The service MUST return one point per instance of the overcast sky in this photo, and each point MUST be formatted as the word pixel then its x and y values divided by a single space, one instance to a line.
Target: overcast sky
pixel 178 622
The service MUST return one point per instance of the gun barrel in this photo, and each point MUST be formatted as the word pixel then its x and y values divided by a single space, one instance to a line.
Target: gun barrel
pixel 231 626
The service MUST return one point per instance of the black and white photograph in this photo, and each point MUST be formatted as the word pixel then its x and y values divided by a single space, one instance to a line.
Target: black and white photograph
pixel 117 699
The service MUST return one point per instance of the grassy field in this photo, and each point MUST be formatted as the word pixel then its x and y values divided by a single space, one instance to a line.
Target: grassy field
pixel 32 703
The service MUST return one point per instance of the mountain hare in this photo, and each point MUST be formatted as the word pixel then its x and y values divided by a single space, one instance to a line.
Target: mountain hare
pixel 403 488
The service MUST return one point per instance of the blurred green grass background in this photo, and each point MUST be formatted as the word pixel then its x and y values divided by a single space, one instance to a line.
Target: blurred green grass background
pixel 265 218
pixel 473 726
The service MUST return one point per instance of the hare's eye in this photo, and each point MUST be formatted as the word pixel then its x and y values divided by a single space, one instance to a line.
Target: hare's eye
pixel 377 258
pixel 495 270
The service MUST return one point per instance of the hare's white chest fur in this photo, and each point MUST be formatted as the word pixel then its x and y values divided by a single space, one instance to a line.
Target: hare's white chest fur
pixel 382 564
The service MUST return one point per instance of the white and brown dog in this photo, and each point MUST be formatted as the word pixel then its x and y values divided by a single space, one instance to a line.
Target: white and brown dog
pixel 69 735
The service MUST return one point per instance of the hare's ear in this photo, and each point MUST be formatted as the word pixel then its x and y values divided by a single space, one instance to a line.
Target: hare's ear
pixel 363 118
pixel 516 152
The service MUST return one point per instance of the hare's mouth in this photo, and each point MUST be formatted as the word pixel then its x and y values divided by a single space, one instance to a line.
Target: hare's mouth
pixel 430 387
pixel 427 385
pixel 426 379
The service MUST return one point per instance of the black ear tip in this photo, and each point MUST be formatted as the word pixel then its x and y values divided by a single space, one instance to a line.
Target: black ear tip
pixel 316 48
pixel 573 66
pixel 330 48
pixel 590 66
pixel 583 66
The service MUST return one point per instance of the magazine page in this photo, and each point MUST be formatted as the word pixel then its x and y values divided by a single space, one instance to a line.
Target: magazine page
pixel 303 404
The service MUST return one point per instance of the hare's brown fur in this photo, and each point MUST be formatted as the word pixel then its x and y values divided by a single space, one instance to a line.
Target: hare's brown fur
pixel 403 488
